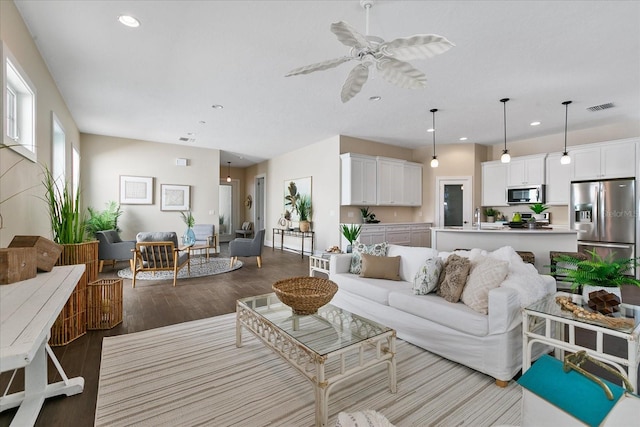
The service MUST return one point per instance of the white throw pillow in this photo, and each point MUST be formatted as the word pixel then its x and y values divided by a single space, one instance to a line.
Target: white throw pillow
pixel 366 418
pixel 426 279
pixel 486 274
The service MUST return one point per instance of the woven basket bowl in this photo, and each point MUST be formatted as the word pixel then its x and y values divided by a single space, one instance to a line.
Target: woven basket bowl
pixel 305 295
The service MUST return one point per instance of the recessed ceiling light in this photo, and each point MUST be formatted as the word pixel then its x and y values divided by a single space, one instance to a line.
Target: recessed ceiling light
pixel 431 130
pixel 217 106
pixel 464 138
pixel 535 123
pixel 129 21
pixel 375 98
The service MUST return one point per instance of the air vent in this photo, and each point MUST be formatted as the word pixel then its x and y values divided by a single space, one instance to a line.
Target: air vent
pixel 185 139
pixel 601 107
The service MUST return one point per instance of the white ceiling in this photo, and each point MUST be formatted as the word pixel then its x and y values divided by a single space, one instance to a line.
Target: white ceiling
pixel 159 81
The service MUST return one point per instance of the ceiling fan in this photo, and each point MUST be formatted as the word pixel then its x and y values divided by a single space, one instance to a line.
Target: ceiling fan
pixel 389 57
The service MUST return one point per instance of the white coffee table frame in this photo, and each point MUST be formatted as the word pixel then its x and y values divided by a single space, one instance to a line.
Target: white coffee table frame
pixel 549 329
pixel 380 349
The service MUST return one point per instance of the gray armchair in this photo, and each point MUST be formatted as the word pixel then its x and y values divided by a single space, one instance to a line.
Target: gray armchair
pixel 247 247
pixel 206 236
pixel 112 248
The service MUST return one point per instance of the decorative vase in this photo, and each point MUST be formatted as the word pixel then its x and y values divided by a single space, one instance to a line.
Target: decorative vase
pixel 587 289
pixel 491 219
pixel 349 248
pixel 538 216
pixel 304 226
pixel 189 237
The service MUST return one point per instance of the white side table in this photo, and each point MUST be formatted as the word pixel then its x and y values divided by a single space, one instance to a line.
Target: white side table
pixel 319 264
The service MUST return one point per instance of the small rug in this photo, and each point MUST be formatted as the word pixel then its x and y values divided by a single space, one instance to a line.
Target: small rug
pixel 192 374
pixel 198 269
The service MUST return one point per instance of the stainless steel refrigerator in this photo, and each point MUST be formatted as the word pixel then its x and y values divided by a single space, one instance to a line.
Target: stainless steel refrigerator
pixel 604 216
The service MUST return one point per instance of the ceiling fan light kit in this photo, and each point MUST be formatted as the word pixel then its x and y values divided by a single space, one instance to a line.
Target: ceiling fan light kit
pixel 565 159
pixel 506 157
pixel 389 57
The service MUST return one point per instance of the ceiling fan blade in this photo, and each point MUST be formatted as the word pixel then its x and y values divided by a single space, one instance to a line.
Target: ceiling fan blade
pixel 356 79
pixel 419 46
pixel 319 66
pixel 401 74
pixel 348 35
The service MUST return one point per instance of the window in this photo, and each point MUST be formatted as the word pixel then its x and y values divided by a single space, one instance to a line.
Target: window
pixel 20 104
pixel 58 150
pixel 75 163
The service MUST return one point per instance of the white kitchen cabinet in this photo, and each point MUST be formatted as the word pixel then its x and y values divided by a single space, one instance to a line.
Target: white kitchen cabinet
pixel 412 184
pixel 390 182
pixel 526 170
pixel 604 161
pixel 494 183
pixel 421 235
pixel 398 234
pixel 359 179
pixel 558 180
pixel 370 234
pixel 406 234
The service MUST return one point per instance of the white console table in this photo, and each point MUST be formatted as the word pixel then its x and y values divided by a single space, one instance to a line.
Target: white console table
pixel 28 309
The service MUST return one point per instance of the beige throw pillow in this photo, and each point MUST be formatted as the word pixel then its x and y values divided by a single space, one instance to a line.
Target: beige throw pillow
pixel 486 273
pixel 380 267
pixel 453 278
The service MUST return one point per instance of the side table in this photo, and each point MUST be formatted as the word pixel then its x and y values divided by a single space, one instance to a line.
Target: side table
pixel 318 264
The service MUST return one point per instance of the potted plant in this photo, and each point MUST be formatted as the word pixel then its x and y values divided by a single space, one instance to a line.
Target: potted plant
pixel 189 237
pixel 368 217
pixel 537 209
pixel 304 211
pixel 596 272
pixel 491 214
pixel 351 233
pixel 106 219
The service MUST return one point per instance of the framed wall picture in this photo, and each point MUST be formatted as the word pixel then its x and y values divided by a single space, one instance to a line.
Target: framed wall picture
pixel 175 197
pixel 136 190
pixel 293 190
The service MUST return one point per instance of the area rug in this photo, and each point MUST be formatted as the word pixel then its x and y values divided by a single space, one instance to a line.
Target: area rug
pixel 198 269
pixel 193 374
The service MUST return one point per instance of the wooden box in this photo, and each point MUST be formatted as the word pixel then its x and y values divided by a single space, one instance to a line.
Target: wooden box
pixel 48 251
pixel 104 303
pixel 17 264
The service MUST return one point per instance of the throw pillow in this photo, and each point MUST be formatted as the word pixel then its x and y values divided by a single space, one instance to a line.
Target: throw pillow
pixel 426 279
pixel 486 273
pixel 380 267
pixel 367 418
pixel 454 278
pixel 377 249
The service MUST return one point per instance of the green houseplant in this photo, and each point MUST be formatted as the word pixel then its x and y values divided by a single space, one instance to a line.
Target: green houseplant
pixel 67 221
pixel 304 211
pixel 491 214
pixel 538 208
pixel 351 233
pixel 106 219
pixel 189 237
pixel 596 272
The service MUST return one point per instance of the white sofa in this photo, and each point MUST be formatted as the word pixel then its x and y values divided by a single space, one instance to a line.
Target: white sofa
pixel 490 343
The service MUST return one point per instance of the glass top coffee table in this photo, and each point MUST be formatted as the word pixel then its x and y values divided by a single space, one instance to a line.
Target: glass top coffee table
pixel 546 322
pixel 327 347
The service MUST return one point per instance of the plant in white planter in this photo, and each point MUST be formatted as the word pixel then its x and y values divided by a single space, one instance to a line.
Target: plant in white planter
pixel 351 233
pixel 537 209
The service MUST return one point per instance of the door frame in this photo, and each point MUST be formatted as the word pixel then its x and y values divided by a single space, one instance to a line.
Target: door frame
pixel 467 200
pixel 259 203
pixel 235 210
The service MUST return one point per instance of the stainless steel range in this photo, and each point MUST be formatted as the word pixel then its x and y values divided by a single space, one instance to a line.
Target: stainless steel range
pixel 546 217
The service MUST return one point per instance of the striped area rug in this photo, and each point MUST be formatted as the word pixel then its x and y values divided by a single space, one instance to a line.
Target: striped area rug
pixel 192 374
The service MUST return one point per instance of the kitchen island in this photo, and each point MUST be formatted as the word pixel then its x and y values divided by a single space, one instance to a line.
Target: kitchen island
pixel 539 241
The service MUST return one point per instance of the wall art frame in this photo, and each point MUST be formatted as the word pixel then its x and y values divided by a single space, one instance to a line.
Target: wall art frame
pixel 136 190
pixel 293 189
pixel 174 197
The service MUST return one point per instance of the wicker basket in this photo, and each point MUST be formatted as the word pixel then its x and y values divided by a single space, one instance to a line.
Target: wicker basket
pixel 305 295
pixel 104 303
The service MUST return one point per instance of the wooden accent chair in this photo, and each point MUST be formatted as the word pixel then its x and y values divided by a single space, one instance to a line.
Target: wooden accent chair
pixel 158 251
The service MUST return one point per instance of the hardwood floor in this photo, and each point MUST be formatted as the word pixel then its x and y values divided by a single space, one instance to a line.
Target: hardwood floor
pixel 151 305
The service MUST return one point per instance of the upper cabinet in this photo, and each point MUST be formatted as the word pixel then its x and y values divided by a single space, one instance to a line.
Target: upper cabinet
pixel 606 160
pixel 494 183
pixel 526 170
pixel 381 181
pixel 358 179
pixel 558 180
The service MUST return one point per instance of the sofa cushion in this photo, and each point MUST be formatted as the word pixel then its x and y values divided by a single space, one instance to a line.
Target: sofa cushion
pixel 436 309
pixel 426 279
pixel 411 259
pixel 377 249
pixel 376 290
pixel 486 273
pixel 380 267
pixel 454 278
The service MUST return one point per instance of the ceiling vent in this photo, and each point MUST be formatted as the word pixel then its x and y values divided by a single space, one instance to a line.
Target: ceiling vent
pixel 185 139
pixel 601 107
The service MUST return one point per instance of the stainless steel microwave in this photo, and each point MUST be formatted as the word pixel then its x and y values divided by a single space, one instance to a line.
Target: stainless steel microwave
pixel 525 194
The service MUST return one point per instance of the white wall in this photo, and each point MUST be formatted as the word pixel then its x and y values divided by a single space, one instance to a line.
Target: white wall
pixel 105 158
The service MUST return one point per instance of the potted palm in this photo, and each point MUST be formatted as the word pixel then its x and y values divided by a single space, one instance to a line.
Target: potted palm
pixel 304 211
pixel 537 209
pixel 596 272
pixel 351 233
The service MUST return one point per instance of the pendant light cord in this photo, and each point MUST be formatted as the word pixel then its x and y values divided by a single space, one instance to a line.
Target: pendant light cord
pixel 433 112
pixel 504 105
pixel 566 119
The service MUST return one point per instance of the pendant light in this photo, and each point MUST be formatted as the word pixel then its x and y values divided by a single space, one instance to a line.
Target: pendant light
pixel 565 159
pixel 505 158
pixel 229 172
pixel 434 160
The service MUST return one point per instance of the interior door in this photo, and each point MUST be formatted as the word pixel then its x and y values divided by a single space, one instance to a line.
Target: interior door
pixel 229 212
pixel 454 201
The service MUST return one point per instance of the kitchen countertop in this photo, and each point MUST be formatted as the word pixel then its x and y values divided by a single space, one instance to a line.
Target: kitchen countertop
pixel 506 230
